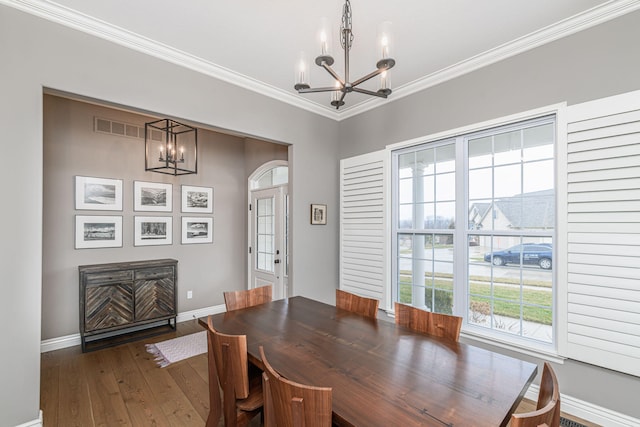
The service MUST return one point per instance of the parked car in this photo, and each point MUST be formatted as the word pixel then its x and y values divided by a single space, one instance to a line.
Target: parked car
pixel 532 253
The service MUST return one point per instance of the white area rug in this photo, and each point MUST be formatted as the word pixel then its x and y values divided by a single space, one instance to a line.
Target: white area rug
pixel 176 349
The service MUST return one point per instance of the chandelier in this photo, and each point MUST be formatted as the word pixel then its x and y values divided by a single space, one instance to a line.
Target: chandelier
pixel 343 86
pixel 170 147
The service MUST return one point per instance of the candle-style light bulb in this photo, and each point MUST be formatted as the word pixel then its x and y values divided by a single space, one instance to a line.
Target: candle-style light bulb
pixel 385 46
pixel 336 95
pixel 302 72
pixel 324 36
pixel 323 42
pixel 384 82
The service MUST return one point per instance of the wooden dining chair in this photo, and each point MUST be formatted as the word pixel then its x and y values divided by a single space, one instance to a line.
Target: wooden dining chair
pixel 426 322
pixel 547 411
pixel 242 397
pixel 362 305
pixel 235 300
pixel 291 404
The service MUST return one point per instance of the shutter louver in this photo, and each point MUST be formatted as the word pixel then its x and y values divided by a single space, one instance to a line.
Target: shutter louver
pixel 363 230
pixel 603 205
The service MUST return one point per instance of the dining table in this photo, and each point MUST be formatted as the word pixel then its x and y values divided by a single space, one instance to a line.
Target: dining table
pixel 381 374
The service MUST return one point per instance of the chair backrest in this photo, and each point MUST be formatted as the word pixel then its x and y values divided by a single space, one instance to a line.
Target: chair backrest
pixel 215 402
pixel 235 300
pixel 362 305
pixel 426 322
pixel 290 404
pixel 547 411
pixel 231 362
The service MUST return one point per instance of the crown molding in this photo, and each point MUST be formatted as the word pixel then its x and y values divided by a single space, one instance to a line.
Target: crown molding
pixel 73 19
pixel 582 21
pixel 78 21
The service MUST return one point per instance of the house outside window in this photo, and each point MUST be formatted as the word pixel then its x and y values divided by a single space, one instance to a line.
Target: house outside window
pixel 494 268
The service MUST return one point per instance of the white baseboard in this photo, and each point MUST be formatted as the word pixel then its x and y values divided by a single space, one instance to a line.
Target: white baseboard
pixel 74 339
pixel 34 423
pixel 588 411
pixel 201 312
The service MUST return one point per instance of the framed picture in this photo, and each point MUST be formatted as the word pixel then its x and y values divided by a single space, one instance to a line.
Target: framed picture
pixel 197 199
pixel 98 231
pixel 152 196
pixel 101 194
pixel 197 230
pixel 152 230
pixel 318 214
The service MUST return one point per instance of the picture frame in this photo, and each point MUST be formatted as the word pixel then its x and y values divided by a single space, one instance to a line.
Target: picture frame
pixel 152 230
pixel 196 230
pixel 102 194
pixel 152 197
pixel 98 231
pixel 318 214
pixel 197 199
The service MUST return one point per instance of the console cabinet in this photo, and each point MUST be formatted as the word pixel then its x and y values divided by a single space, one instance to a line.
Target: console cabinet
pixel 125 297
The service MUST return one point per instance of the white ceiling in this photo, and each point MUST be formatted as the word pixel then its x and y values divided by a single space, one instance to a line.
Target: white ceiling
pixel 255 43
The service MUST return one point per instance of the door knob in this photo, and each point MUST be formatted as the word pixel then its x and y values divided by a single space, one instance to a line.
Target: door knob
pixel 276 261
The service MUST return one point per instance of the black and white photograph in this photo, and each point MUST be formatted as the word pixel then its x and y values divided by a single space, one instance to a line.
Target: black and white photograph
pixel 197 199
pixel 97 231
pixel 318 214
pixel 101 194
pixel 197 230
pixel 152 197
pixel 152 230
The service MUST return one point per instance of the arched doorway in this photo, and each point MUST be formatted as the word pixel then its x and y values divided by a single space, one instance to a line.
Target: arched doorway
pixel 268 227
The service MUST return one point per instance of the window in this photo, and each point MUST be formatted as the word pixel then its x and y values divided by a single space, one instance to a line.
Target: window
pixel 495 267
pixel 426 220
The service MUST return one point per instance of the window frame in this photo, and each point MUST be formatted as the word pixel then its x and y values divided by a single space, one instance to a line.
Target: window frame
pixel 556 349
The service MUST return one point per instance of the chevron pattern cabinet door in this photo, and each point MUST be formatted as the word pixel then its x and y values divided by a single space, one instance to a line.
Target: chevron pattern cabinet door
pixel 108 306
pixel 123 297
pixel 154 298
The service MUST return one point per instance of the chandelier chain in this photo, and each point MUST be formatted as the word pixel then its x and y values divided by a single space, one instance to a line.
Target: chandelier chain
pixel 346 25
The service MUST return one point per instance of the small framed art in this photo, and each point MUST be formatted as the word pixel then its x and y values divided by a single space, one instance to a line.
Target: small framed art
pixel 197 199
pixel 318 214
pixel 197 230
pixel 98 231
pixel 152 196
pixel 152 230
pixel 100 194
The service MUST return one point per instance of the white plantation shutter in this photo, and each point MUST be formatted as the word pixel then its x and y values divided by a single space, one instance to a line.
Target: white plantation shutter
pixel 603 225
pixel 364 237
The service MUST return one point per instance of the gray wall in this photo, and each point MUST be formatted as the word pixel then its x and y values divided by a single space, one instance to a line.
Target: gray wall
pixel 595 63
pixel 71 147
pixel 37 53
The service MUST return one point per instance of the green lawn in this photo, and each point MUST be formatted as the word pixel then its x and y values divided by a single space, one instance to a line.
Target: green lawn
pixel 506 299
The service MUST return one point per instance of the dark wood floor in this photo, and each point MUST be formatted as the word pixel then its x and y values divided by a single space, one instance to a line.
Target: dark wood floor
pixel 123 386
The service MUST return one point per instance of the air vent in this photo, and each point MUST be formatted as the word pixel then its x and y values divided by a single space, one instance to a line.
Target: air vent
pixel 119 128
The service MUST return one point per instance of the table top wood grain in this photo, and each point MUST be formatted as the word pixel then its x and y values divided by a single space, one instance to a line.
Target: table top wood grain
pixel 381 374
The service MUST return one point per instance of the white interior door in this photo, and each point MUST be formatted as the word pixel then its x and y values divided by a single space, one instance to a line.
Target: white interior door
pixel 268 251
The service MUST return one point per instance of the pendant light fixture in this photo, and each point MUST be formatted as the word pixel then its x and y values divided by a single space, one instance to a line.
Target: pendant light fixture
pixel 170 147
pixel 343 86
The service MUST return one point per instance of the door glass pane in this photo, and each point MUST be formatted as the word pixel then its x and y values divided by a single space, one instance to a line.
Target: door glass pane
pixel 276 176
pixel 265 237
pixel 286 235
